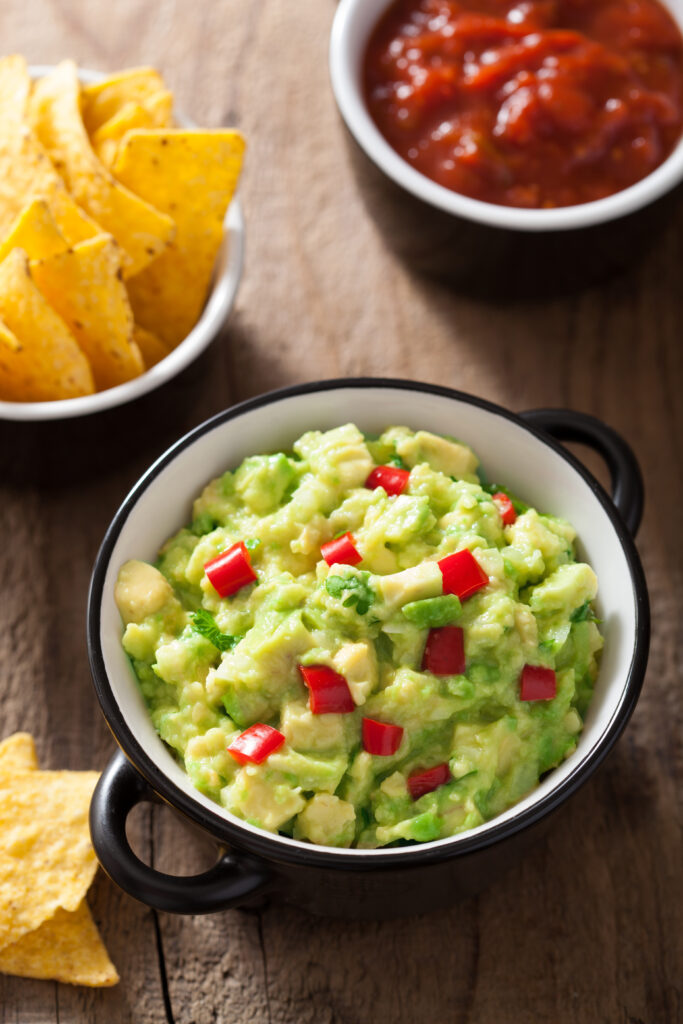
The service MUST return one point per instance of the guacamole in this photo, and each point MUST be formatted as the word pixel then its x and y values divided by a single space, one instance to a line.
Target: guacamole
pixel 362 643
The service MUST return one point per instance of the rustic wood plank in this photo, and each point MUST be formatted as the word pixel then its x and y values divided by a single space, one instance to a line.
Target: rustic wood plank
pixel 585 928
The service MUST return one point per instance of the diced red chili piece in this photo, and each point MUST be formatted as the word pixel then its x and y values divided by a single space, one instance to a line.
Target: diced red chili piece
pixel 256 743
pixel 380 737
pixel 537 683
pixel 231 570
pixel 505 507
pixel 328 691
pixel 424 782
pixel 393 479
pixel 444 653
pixel 341 551
pixel 462 574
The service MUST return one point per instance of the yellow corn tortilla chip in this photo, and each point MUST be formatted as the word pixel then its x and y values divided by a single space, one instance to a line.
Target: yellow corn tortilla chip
pixel 46 859
pixel 66 948
pixel 49 365
pixel 26 171
pixel 84 286
pixel 35 232
pixel 156 114
pixel 15 86
pixel 18 753
pixel 152 348
pixel 103 100
pixel 54 109
pixel 192 176
pixel 8 340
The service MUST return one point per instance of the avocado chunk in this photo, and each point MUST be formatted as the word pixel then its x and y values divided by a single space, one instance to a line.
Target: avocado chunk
pixel 263 481
pixel 448 457
pixel 263 797
pixel 433 611
pixel 254 677
pixel 326 820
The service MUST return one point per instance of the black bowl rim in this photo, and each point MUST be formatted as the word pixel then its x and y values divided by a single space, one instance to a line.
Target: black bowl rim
pixel 276 848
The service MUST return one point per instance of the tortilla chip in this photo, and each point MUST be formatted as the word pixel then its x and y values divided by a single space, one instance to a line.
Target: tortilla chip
pixel 152 348
pixel 66 948
pixel 15 86
pixel 18 753
pixel 35 232
pixel 140 229
pixel 46 858
pixel 84 286
pixel 25 168
pixel 105 139
pixel 49 365
pixel 192 176
pixel 8 340
pixel 101 101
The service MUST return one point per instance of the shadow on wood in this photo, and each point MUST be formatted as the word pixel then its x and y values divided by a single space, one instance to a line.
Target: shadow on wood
pixel 58 452
pixel 494 264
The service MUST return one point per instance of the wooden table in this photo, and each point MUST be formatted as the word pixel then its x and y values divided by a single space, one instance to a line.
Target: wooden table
pixel 587 927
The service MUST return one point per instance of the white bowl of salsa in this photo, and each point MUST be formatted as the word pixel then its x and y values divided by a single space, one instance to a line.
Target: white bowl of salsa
pixel 384 55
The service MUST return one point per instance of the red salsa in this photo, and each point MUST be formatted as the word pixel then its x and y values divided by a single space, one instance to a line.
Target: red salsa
pixel 528 103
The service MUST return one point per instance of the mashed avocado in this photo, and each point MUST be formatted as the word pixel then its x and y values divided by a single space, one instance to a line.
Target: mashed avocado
pixel 404 694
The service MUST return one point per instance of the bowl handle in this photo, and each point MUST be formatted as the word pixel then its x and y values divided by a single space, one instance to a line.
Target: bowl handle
pixel 230 882
pixel 627 481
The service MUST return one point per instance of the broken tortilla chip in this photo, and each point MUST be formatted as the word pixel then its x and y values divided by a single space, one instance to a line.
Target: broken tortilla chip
pixel 26 171
pixel 46 858
pixel 101 101
pixel 156 114
pixel 8 340
pixel 49 364
pixel 18 753
pixel 65 948
pixel 192 176
pixel 152 348
pixel 35 232
pixel 84 286
pixel 54 110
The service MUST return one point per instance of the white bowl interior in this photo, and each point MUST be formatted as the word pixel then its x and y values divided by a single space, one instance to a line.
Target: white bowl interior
pixel 353 24
pixel 508 453
pixel 226 278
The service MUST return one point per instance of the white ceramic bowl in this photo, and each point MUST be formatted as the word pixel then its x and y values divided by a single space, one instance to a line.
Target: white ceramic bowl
pixel 351 30
pixel 512 452
pixel 226 279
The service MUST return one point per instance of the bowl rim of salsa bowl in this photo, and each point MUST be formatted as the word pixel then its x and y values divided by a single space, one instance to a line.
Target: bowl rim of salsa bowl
pixel 161 501
pixel 219 303
pixel 353 24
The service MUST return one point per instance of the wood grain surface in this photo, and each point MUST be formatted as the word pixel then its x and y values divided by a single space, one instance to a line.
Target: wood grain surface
pixel 587 928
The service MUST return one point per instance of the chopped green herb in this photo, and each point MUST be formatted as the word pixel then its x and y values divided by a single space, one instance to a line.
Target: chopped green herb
pixel 583 614
pixel 397 461
pixel 519 506
pixel 356 588
pixel 204 623
pixel 252 543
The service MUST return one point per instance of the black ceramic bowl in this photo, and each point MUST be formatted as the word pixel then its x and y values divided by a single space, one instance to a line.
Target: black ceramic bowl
pixel 484 248
pixel 521 451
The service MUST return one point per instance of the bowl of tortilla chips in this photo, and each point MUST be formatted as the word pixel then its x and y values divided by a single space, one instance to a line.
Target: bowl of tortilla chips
pixel 121 239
